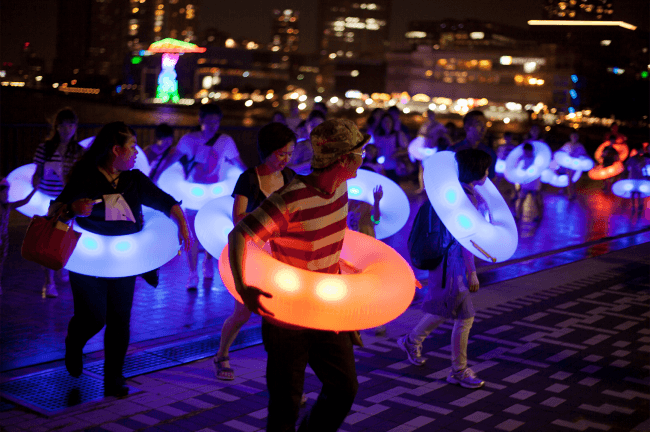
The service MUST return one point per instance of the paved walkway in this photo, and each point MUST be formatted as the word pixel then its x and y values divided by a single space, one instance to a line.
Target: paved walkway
pixel 563 349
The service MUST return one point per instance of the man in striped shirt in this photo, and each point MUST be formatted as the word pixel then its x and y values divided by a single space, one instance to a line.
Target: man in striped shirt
pixel 305 222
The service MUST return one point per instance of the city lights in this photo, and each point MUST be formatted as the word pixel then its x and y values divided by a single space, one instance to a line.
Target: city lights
pixel 583 23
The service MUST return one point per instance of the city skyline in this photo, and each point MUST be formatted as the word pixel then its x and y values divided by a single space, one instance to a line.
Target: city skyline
pixel 253 20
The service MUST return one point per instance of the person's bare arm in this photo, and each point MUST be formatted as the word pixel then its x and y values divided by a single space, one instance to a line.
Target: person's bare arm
pixel 239 208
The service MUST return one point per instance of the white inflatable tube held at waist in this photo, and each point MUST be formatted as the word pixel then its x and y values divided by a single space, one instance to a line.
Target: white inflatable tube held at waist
pixel 493 242
pixel 213 223
pixel 516 174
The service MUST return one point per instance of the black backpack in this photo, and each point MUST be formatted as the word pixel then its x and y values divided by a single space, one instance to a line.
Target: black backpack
pixel 429 240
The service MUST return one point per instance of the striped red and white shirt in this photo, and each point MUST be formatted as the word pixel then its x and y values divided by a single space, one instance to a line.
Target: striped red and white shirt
pixel 305 227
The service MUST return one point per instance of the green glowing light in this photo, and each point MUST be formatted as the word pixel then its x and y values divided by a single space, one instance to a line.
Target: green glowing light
pixel 136 60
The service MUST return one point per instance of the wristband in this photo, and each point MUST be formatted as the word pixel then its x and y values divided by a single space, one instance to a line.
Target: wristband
pixel 372 219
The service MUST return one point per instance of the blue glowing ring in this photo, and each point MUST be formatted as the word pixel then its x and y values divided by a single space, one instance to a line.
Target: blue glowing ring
pixel 213 223
pixel 418 149
pixel 126 255
pixel 580 163
pixel 141 161
pixel 554 179
pixel 195 195
pixel 464 222
pixel 515 174
pixel 624 188
pixel 394 205
pixel 20 185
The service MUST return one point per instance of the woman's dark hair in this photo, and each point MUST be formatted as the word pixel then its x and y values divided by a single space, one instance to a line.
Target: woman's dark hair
pixel 472 164
pixel 112 134
pixel 53 141
pixel 379 130
pixel 528 147
pixel 163 130
pixel 273 137
pixel 210 109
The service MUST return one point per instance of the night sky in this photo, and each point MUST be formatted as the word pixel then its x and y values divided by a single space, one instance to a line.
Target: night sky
pixel 35 20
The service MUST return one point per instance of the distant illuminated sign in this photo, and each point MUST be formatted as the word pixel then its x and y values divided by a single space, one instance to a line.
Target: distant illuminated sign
pixel 415 35
pixel 583 23
pixel 477 35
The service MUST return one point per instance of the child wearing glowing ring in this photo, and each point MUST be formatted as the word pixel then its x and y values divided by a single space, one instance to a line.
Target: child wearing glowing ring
pixel 450 284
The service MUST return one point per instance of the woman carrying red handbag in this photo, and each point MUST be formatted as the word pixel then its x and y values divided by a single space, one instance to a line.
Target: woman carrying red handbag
pixel 106 195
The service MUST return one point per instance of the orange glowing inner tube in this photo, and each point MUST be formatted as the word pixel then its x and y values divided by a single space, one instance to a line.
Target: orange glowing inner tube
pixel 601 173
pixel 378 293
pixel 621 148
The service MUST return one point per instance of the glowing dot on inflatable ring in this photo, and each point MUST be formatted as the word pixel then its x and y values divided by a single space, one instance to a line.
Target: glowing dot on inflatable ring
pixel 141 161
pixel 195 195
pixel 379 293
pixel 513 171
pixel 394 205
pixel 213 223
pixel 418 150
pixel 500 166
pixel 602 173
pixel 381 159
pixel 126 255
pixel 625 188
pixel 621 148
pixel 20 185
pixel 498 238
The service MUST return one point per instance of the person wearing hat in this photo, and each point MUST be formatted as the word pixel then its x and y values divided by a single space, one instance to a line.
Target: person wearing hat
pixel 305 222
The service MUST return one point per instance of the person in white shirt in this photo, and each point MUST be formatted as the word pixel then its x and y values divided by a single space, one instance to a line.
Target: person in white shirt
pixel 207 156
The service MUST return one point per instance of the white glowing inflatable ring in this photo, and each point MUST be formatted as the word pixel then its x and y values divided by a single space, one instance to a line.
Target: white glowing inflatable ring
pixel 625 188
pixel 20 185
pixel 418 149
pixel 513 171
pixel 378 294
pixel 580 163
pixel 195 195
pixel 126 255
pixel 551 177
pixel 495 241
pixel 213 223
pixel 394 205
pixel 141 162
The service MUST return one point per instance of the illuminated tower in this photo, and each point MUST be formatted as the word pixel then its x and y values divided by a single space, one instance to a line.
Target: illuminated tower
pixel 351 29
pixel 170 49
pixel 152 20
pixel 589 10
pixel 285 35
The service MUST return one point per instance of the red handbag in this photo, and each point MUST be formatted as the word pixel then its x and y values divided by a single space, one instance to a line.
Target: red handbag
pixel 49 242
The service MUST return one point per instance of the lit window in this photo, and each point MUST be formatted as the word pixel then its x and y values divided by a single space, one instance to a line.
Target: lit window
pixel 135 10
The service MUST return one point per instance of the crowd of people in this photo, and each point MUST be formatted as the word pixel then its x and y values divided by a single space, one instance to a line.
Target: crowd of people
pixel 303 164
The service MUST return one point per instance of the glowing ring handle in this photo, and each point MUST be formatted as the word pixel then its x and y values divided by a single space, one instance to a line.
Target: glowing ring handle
pixel 498 238
pixel 624 188
pixel 20 185
pixel 394 205
pixel 418 149
pixel 515 174
pixel 622 149
pixel 195 195
pixel 554 179
pixel 378 294
pixel 602 173
pixel 213 223
pixel 141 161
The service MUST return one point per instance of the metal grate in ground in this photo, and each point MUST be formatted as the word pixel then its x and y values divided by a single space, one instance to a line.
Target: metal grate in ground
pixel 53 391
pixel 135 364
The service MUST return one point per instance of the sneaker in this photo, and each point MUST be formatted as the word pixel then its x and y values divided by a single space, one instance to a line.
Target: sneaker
pixel 465 378
pixel 380 331
pixel 414 352
pixel 49 290
pixel 193 281
pixel 208 269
